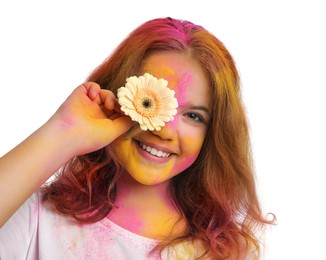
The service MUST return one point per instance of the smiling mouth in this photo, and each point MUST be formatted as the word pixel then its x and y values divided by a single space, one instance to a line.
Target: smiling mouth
pixel 153 151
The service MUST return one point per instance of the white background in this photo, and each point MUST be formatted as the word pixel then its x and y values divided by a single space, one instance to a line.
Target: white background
pixel 47 48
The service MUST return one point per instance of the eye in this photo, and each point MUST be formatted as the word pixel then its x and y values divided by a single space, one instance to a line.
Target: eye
pixel 195 117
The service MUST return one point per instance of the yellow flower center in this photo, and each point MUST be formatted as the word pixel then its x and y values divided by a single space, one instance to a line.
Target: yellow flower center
pixel 146 103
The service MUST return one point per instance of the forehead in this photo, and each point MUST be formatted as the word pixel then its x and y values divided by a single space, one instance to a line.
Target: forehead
pixel 185 76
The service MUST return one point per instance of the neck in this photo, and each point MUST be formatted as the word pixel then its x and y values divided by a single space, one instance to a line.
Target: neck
pixel 146 210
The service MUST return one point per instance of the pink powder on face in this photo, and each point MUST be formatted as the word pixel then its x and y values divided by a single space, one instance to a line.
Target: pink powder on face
pixel 185 163
pixel 180 88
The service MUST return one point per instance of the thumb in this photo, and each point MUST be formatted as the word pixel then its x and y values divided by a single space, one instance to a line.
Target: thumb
pixel 121 125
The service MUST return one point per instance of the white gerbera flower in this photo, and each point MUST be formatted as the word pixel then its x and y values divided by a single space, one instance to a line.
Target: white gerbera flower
pixel 148 101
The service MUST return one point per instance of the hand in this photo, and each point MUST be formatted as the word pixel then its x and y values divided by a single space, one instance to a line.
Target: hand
pixel 92 118
pixel 88 120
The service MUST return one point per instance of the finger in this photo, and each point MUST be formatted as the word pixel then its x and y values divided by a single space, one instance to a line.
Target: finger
pixel 117 108
pixel 114 115
pixel 93 90
pixel 121 125
pixel 111 114
pixel 108 99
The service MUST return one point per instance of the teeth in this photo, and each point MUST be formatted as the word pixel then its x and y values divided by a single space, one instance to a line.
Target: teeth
pixel 153 151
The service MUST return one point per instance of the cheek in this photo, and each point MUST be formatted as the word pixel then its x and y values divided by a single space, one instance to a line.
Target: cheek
pixel 120 148
pixel 190 151
pixel 184 163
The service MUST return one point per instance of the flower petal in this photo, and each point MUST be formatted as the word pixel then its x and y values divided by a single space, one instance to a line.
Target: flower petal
pixel 148 101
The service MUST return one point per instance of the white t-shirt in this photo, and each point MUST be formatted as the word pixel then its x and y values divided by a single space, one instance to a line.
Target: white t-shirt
pixel 37 232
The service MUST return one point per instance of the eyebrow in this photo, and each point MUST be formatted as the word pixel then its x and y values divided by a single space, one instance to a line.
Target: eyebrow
pixel 203 108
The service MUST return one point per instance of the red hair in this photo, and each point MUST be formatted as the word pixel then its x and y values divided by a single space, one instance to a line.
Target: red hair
pixel 217 194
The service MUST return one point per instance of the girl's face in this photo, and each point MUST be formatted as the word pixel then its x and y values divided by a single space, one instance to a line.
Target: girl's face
pixel 181 138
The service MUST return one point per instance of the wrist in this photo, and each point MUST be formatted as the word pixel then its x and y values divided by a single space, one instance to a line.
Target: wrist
pixel 61 137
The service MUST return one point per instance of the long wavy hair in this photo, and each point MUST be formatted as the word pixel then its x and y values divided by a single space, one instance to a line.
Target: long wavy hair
pixel 217 194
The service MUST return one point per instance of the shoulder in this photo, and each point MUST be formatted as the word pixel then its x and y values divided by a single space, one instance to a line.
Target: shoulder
pixel 18 232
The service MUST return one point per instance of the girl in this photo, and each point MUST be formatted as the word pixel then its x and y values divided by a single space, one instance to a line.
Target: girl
pixel 184 191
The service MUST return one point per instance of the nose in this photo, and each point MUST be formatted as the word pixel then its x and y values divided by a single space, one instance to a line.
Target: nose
pixel 167 132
